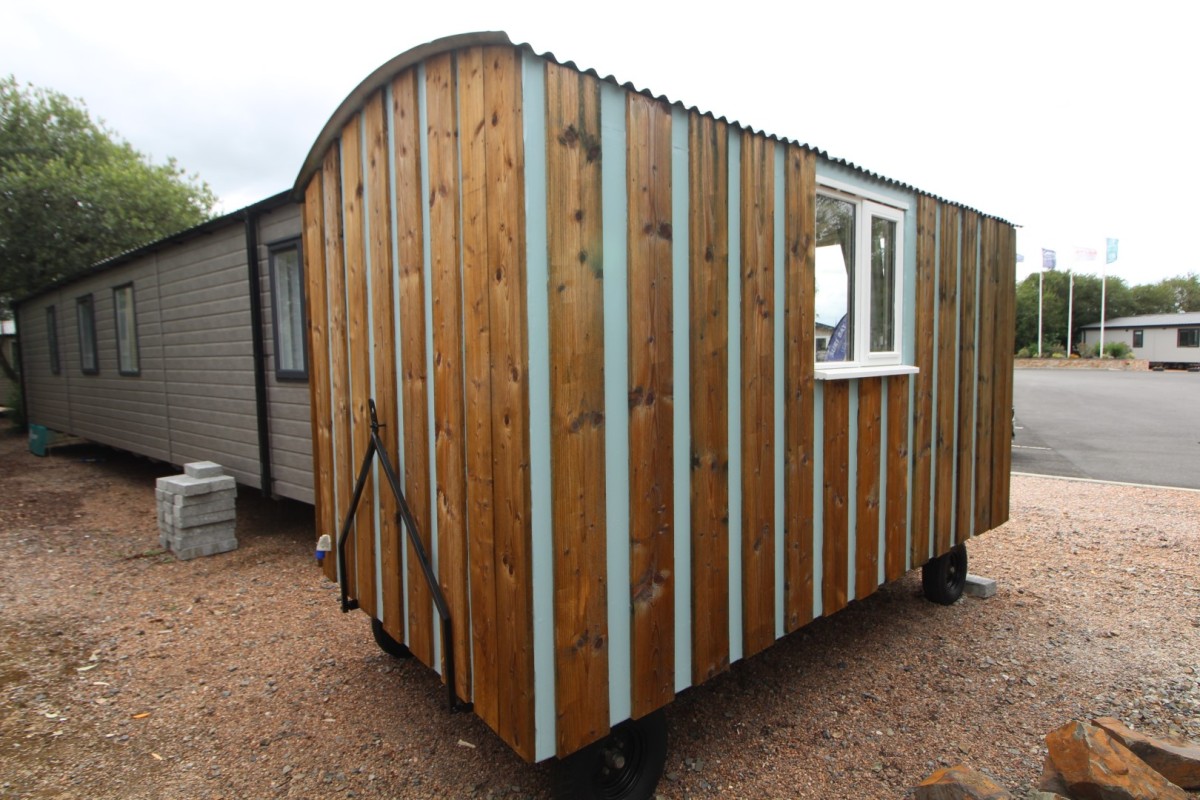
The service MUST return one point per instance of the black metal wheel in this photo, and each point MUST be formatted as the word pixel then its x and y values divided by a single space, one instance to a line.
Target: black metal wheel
pixel 944 577
pixel 386 643
pixel 625 765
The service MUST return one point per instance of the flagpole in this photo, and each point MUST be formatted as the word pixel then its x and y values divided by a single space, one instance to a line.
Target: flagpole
pixel 1070 314
pixel 1041 275
pixel 1103 303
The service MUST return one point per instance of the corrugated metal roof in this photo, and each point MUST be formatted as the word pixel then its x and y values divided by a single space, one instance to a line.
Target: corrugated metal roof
pixel 1149 321
pixel 381 76
pixel 112 262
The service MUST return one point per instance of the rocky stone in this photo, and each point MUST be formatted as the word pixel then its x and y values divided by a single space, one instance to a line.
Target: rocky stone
pixel 1176 759
pixel 1085 763
pixel 1045 796
pixel 960 782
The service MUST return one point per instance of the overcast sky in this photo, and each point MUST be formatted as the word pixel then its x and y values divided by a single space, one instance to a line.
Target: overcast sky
pixel 1076 121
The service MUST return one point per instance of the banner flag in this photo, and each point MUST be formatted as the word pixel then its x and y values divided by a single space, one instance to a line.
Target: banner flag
pixel 1110 254
pixel 1048 259
pixel 1085 254
pixel 1020 258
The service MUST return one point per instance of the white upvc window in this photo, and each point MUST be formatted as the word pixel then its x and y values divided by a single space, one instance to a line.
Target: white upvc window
pixel 859 282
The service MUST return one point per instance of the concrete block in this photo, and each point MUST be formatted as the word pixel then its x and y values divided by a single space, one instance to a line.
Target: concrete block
pixel 978 586
pixel 188 486
pixel 186 517
pixel 203 469
pixel 207 549
pixel 213 501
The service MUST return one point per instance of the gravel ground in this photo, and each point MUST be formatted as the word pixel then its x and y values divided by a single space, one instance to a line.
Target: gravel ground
pixel 127 674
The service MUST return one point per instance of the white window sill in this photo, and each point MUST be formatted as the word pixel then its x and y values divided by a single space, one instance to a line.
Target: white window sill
pixel 851 373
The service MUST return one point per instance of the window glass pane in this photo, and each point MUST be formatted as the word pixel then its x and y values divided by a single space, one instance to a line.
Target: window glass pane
pixel 834 299
pixel 87 334
pixel 883 285
pixel 52 339
pixel 1137 338
pixel 289 310
pixel 127 346
pixel 1189 337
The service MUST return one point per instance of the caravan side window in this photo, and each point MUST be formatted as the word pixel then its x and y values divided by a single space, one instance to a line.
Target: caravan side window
pixel 128 359
pixel 287 306
pixel 860 246
pixel 85 313
pixel 52 339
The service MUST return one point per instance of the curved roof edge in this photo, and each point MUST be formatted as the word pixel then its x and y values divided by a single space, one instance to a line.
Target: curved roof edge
pixel 261 207
pixel 380 77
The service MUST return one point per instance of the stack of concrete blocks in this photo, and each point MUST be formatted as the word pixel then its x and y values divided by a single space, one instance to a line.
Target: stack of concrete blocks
pixel 196 514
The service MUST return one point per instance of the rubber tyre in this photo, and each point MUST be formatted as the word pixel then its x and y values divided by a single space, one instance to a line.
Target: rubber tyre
pixel 944 577
pixel 640 749
pixel 386 643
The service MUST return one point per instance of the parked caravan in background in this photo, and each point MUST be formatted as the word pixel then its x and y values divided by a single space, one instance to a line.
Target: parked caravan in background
pixel 191 348
pixel 634 434
pixel 1167 341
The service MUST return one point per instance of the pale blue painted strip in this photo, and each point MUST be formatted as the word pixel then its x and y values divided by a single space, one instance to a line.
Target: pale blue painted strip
pixel 818 554
pixel 975 366
pixel 616 398
pixel 369 327
pixel 682 381
pixel 955 535
pixel 428 285
pixel 908 527
pixel 780 385
pixel 734 387
pixel 537 280
pixel 852 433
pixel 933 384
pixel 396 438
pixel 881 548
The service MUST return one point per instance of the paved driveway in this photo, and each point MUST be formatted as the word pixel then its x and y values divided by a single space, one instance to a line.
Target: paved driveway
pixel 1135 427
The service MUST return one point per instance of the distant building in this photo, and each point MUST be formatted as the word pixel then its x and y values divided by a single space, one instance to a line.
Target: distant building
pixel 1161 339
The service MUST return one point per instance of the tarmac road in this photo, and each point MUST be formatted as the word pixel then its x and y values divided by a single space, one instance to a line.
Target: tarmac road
pixel 1132 427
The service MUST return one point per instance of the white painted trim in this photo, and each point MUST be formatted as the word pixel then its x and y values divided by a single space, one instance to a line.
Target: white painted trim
pixel 858 191
pixel 851 373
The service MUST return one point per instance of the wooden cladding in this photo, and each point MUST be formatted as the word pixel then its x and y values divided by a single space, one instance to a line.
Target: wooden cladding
pixel 796 495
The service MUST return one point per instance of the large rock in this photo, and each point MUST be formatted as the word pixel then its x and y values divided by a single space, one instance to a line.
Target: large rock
pixel 1085 763
pixel 1177 760
pixel 960 782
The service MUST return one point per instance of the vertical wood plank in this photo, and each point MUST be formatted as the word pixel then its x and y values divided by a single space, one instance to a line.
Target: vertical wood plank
pixel 922 411
pixel 836 482
pixel 758 391
pixel 966 375
pixel 1002 410
pixel 331 182
pixel 410 239
pixel 441 101
pixel 896 518
pixel 651 404
pixel 359 353
pixel 947 350
pixel 477 362
pixel 576 317
pixel 708 298
pixel 986 379
pixel 383 342
pixel 870 450
pixel 318 364
pixel 800 194
pixel 511 503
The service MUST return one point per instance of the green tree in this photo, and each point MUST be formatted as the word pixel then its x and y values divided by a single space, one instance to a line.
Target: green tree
pixel 1119 302
pixel 72 192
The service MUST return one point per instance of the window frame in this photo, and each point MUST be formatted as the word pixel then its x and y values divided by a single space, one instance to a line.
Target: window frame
pixel 87 301
pixel 273 250
pixel 52 339
pixel 122 368
pixel 863 361
pixel 1138 339
pixel 1194 337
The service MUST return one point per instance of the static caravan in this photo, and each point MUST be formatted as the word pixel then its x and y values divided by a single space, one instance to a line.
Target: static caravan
pixel 1165 340
pixel 191 348
pixel 575 445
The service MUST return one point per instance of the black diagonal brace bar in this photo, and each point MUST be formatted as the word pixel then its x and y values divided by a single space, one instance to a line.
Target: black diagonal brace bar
pixel 404 519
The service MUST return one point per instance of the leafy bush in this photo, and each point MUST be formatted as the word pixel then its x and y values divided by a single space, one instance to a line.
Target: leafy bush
pixel 1117 350
pixel 1024 353
pixel 16 407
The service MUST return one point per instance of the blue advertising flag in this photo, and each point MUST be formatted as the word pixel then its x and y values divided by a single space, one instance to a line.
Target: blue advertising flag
pixel 1048 259
pixel 1020 258
pixel 1110 254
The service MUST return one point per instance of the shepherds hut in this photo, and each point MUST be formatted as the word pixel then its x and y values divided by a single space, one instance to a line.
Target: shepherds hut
pixel 587 318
